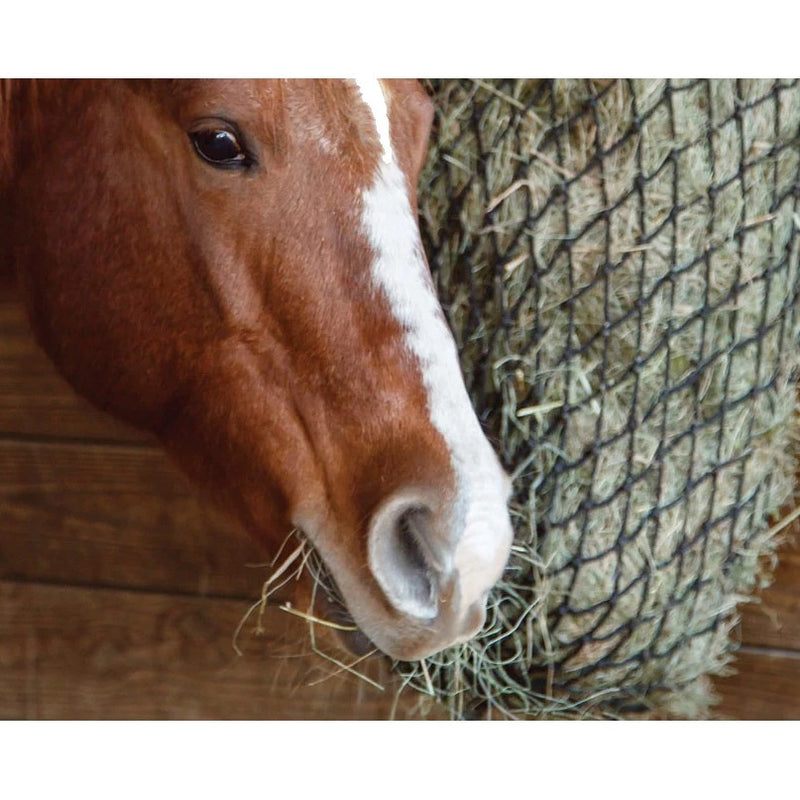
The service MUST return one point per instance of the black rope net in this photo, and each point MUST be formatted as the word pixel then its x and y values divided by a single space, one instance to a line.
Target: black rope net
pixel 619 263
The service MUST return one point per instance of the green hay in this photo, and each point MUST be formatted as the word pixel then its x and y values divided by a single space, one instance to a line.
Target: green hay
pixel 619 263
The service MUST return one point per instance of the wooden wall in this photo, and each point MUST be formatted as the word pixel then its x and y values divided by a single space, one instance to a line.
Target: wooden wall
pixel 120 591
pixel 766 684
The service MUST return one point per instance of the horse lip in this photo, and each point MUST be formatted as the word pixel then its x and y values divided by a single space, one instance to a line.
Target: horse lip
pixel 350 635
pixel 357 642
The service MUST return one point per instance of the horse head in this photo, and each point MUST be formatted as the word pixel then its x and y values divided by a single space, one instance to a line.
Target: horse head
pixel 236 267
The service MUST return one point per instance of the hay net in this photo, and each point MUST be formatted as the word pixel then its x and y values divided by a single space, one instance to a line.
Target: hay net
pixel 619 263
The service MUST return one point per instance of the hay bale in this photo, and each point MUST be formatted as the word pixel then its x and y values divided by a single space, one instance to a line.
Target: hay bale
pixel 619 263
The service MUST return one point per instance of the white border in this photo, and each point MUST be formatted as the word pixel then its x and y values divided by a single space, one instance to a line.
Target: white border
pixel 298 38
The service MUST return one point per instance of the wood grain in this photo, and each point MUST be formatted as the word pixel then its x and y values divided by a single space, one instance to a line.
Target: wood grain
pixel 115 516
pixel 766 686
pixel 766 683
pixel 69 653
pixel 773 621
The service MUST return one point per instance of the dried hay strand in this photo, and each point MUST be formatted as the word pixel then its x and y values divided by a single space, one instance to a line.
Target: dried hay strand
pixel 303 561
pixel 619 263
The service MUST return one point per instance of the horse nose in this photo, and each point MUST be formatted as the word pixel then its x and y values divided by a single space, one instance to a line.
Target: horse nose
pixel 435 563
pixel 409 555
pixel 473 619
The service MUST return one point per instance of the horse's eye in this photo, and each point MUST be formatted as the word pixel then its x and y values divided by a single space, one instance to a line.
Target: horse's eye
pixel 219 146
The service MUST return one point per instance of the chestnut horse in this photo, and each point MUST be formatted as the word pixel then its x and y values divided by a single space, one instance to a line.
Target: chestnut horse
pixel 236 267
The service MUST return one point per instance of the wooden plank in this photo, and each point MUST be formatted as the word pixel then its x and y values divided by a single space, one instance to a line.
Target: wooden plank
pixel 118 516
pixel 69 653
pixel 773 620
pixel 766 686
pixel 766 683
pixel 34 399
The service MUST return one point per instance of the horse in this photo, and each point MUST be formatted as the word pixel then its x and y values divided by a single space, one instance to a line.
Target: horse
pixel 236 268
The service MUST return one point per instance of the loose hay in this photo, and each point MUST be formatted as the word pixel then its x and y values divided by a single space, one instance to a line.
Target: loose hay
pixel 619 263
pixel 301 561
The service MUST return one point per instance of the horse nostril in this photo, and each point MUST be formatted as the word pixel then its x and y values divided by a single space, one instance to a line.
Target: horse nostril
pixel 410 530
pixel 404 557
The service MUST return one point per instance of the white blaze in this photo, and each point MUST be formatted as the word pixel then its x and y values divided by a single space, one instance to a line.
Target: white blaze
pixel 401 271
pixel 373 95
